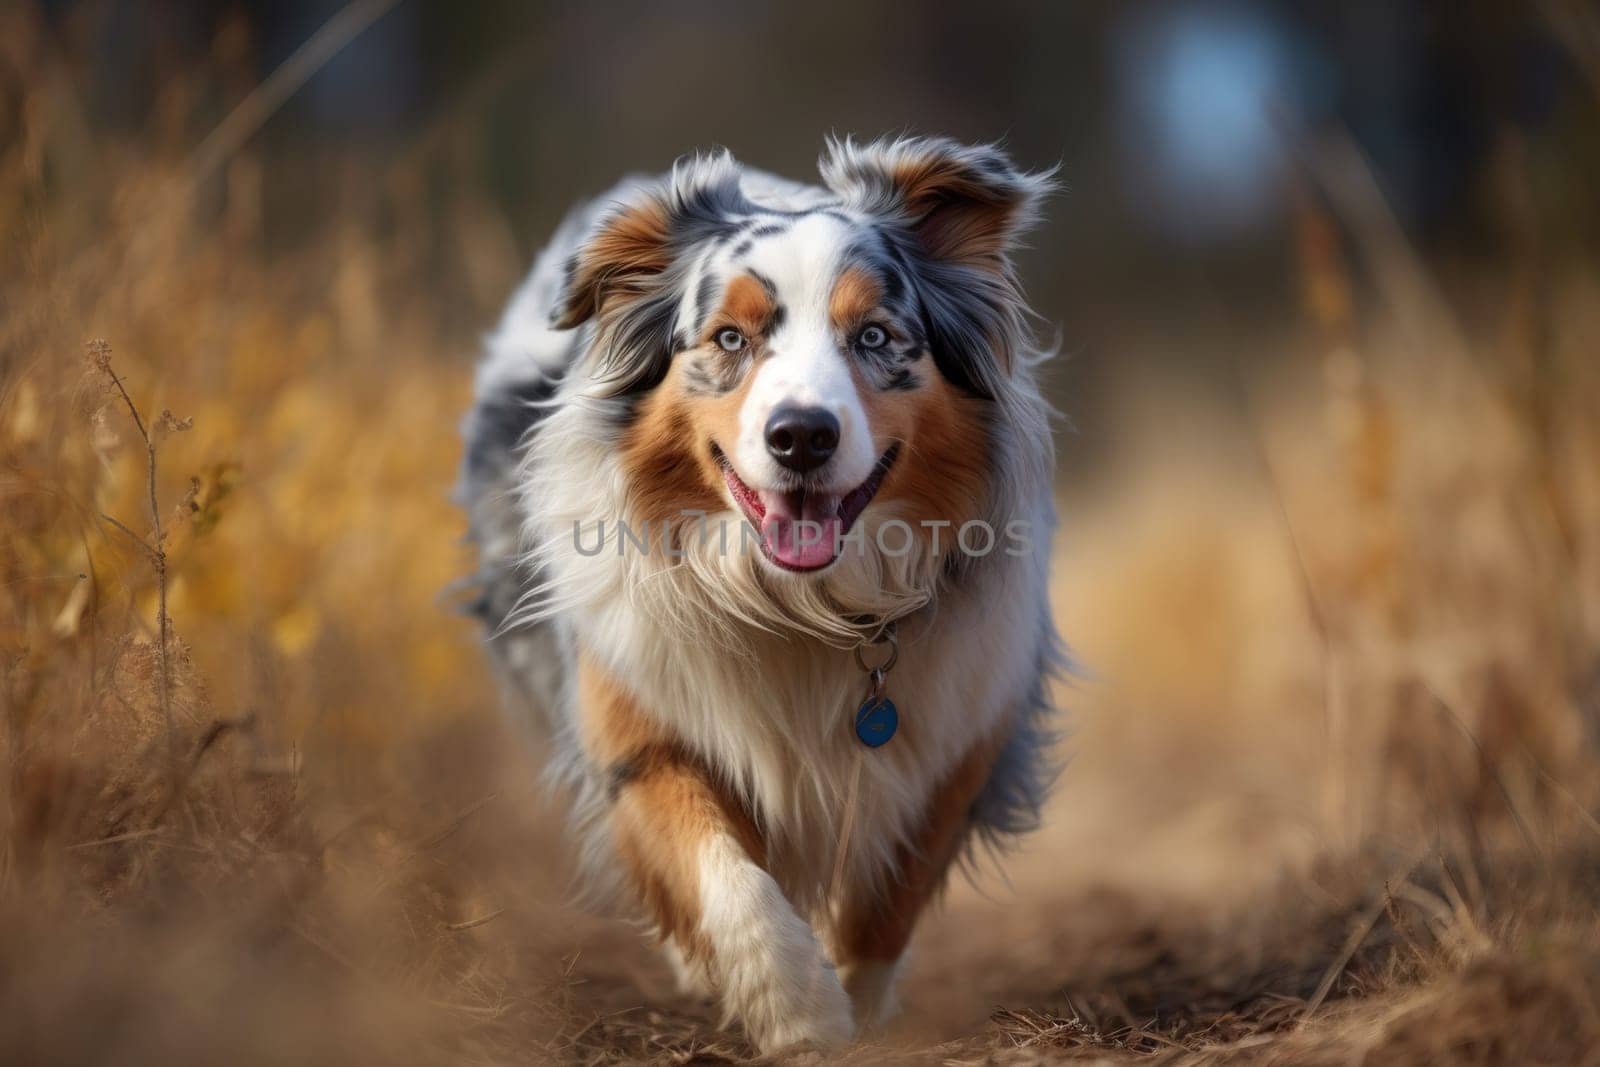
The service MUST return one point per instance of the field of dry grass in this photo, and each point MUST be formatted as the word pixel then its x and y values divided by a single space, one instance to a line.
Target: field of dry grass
pixel 1333 787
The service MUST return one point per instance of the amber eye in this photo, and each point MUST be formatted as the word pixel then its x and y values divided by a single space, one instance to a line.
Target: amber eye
pixel 730 340
pixel 873 337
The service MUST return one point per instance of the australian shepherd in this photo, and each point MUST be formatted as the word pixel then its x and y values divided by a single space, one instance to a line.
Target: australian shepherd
pixel 760 475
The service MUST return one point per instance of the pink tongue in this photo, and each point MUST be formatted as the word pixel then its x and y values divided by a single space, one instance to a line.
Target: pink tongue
pixel 800 537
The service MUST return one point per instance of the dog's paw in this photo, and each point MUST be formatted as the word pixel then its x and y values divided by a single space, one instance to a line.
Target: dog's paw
pixel 809 1010
pixel 785 992
pixel 772 973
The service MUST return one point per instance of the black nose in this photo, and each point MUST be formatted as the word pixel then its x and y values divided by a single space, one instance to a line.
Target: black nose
pixel 802 439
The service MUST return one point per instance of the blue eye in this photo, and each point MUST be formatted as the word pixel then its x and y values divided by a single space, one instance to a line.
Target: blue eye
pixel 730 340
pixel 873 337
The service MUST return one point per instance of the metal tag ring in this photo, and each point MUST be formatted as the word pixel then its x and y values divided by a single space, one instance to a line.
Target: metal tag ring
pixel 887 665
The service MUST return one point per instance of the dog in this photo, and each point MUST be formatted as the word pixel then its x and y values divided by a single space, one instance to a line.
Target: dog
pixel 760 479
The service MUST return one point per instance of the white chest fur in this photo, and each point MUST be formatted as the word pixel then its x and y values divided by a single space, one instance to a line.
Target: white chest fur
pixel 777 718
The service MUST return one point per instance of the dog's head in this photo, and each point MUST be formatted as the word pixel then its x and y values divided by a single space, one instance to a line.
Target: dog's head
pixel 807 357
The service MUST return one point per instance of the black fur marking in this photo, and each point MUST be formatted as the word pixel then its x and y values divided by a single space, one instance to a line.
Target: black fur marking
pixel 768 229
pixel 765 283
pixel 888 370
pixel 482 608
pixel 872 251
pixel 784 213
pixel 698 380
pixel 780 313
pixel 956 565
pixel 500 422
pixel 704 297
pixel 1009 803
pixel 496 427
pixel 962 311
pixel 742 249
pixel 640 350
pixel 894 283
pixel 901 380
pixel 620 774
pixel 569 275
pixel 618 412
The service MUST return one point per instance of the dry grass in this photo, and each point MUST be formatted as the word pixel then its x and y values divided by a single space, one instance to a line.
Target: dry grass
pixel 1334 790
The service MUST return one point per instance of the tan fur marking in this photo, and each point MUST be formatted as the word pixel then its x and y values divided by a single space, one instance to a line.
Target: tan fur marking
pixel 943 471
pixel 662 457
pixel 876 926
pixel 746 306
pixel 856 295
pixel 667 806
pixel 666 452
pixel 961 217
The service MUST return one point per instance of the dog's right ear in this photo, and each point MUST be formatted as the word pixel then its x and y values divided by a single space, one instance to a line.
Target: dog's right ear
pixel 632 246
pixel 632 251
pixel 629 275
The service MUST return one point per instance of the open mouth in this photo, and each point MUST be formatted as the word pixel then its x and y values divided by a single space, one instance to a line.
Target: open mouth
pixel 801 528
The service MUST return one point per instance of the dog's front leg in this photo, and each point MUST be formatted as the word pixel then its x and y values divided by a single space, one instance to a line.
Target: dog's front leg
pixel 873 923
pixel 696 858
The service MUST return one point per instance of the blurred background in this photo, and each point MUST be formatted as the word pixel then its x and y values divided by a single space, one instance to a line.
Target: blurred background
pixel 1182 130
pixel 1322 278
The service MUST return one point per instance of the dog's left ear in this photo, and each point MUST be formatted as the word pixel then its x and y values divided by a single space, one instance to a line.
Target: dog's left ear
pixel 961 203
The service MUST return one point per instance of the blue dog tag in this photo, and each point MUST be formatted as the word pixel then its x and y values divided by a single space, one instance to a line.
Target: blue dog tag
pixel 876 721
